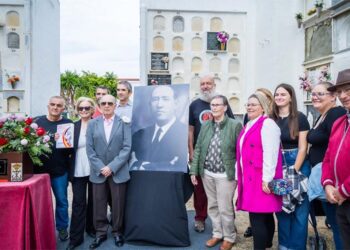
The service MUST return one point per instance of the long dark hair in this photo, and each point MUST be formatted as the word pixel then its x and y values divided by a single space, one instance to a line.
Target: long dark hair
pixel 293 119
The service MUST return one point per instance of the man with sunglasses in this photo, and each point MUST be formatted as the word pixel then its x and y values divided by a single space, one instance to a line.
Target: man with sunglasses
pixel 57 163
pixel 108 143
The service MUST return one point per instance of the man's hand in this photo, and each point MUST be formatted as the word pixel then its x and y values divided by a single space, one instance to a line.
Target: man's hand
pixel 339 197
pixel 194 180
pixel 106 171
pixel 330 191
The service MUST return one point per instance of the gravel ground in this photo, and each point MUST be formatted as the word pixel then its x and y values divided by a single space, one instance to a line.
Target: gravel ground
pixel 242 223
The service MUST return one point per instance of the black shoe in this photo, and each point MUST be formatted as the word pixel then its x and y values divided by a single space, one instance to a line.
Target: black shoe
pixel 92 234
pixel 119 240
pixel 97 242
pixel 248 233
pixel 72 246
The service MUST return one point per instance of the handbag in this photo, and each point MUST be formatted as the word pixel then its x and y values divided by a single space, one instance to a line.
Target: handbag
pixel 281 186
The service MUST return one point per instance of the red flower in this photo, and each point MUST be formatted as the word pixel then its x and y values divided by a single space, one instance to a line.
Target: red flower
pixel 3 141
pixel 28 121
pixel 26 130
pixel 40 131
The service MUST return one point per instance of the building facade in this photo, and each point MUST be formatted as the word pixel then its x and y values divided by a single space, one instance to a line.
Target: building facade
pixel 265 45
pixel 29 55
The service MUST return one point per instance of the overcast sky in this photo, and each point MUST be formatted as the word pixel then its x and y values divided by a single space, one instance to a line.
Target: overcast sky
pixel 100 36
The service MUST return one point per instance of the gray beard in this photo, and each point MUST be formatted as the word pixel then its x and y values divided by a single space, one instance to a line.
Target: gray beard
pixel 207 96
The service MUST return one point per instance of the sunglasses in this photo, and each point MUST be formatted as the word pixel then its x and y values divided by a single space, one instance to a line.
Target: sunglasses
pixel 58 105
pixel 84 108
pixel 107 103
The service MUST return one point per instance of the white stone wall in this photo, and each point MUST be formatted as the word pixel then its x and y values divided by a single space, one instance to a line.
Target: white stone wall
pixel 35 62
pixel 271 45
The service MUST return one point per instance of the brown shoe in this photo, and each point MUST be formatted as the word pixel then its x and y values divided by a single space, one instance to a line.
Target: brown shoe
pixel 226 245
pixel 212 242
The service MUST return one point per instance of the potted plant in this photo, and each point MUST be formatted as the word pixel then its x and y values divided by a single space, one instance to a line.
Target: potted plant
pixel 319 7
pixel 299 18
pixel 222 37
pixel 21 139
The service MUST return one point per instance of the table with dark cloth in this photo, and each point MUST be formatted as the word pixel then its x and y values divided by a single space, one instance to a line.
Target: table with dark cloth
pixel 155 208
pixel 26 214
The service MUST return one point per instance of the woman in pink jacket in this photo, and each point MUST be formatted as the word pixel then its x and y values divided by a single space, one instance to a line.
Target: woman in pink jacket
pixel 259 161
pixel 335 166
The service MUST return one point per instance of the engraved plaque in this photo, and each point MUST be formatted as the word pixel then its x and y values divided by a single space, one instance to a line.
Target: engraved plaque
pixel 3 167
pixel 212 41
pixel 164 79
pixel 16 172
pixel 159 61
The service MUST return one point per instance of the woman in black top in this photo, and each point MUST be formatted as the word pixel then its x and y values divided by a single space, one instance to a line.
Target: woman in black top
pixel 325 103
pixel 292 227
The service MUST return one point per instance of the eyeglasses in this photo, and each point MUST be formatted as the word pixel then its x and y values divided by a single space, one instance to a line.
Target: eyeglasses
pixel 319 94
pixel 107 103
pixel 84 108
pixel 253 105
pixel 58 105
pixel 346 91
pixel 216 104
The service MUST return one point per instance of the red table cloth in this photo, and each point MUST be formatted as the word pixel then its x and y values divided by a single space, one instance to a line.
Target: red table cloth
pixel 26 214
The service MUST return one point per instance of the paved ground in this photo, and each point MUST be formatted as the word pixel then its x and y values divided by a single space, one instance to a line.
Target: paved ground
pixel 198 239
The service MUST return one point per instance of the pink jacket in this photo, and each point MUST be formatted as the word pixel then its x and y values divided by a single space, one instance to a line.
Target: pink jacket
pixel 336 162
pixel 251 197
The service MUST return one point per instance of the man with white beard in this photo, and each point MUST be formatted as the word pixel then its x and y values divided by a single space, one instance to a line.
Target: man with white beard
pixel 199 113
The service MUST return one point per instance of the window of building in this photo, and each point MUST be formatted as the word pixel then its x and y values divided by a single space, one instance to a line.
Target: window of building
pixel 196 65
pixel 178 44
pixel 216 24
pixel 178 24
pixel 197 44
pixel 197 24
pixel 12 19
pixel 13 104
pixel 13 40
pixel 159 23
pixel 158 43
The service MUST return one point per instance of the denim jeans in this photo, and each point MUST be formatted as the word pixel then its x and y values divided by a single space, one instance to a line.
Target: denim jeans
pixel 59 187
pixel 292 228
pixel 330 211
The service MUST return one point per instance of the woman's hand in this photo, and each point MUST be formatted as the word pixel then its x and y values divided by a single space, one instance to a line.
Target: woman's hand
pixel 194 180
pixel 265 187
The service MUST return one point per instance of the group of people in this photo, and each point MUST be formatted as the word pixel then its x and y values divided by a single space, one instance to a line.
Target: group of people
pixel 223 155
pixel 275 144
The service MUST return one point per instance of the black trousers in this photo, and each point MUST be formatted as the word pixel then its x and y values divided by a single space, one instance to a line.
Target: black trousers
pixel 263 229
pixel 343 219
pixel 82 210
pixel 101 192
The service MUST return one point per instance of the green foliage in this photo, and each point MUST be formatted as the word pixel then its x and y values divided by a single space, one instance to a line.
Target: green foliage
pixel 74 85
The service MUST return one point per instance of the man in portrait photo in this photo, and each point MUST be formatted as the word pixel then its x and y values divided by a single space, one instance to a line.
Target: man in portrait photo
pixel 162 145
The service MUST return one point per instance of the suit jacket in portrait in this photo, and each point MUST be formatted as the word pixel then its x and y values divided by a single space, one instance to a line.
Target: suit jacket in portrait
pixel 169 154
pixel 114 153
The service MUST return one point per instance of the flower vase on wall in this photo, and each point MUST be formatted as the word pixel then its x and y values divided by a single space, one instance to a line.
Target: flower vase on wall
pixel 318 11
pixel 222 46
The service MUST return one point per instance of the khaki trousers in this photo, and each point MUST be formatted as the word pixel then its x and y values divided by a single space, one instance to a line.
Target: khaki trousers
pixel 220 193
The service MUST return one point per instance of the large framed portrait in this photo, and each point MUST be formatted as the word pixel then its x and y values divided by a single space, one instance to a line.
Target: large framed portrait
pixel 160 128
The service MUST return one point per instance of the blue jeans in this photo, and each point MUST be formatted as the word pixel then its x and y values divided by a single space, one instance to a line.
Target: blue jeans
pixel 292 228
pixel 330 211
pixel 59 187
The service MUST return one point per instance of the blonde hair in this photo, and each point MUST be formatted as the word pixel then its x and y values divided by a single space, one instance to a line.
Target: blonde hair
pixel 268 94
pixel 263 100
pixel 85 99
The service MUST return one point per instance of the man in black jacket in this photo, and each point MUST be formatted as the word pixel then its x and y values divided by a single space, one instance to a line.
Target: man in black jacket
pixel 57 163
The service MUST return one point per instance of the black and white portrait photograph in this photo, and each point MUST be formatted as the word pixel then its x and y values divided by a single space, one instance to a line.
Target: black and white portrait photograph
pixel 159 128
